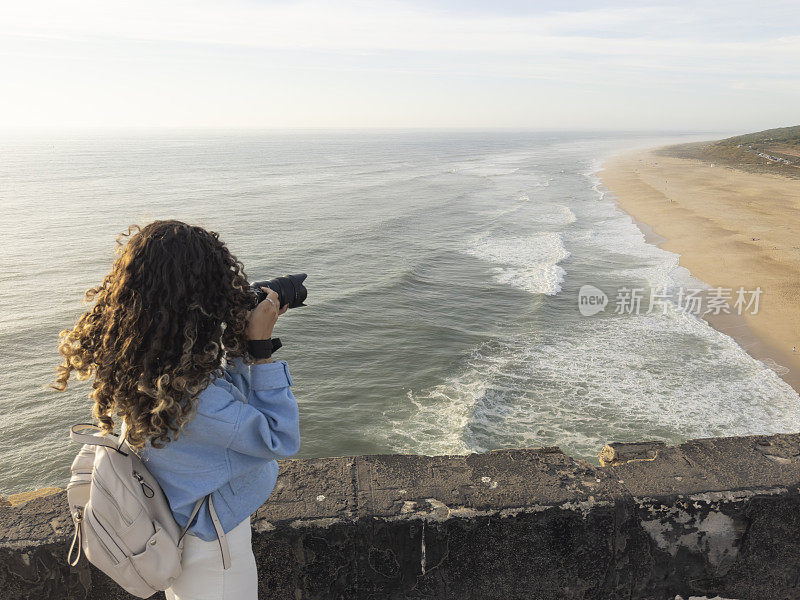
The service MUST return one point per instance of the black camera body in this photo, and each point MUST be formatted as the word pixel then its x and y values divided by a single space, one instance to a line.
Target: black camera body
pixel 290 290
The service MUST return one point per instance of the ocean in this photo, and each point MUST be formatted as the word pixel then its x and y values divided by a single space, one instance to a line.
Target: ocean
pixel 444 270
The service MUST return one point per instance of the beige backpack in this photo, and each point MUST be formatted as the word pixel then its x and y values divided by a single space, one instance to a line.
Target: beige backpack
pixel 123 522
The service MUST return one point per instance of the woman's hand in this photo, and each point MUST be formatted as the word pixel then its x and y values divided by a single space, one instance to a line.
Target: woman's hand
pixel 261 320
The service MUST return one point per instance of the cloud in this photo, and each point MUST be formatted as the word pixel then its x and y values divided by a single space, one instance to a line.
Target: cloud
pixel 670 37
pixel 691 49
pixel 372 26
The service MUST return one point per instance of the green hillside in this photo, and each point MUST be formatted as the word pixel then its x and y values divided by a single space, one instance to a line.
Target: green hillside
pixel 781 135
pixel 770 151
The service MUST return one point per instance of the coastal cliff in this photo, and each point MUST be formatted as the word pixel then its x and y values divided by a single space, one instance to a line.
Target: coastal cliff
pixel 710 517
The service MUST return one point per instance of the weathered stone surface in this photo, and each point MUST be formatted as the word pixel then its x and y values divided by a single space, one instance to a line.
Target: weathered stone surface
pixel 706 518
pixel 621 452
pixel 716 464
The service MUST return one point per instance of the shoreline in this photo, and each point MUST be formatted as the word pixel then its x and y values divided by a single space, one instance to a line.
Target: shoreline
pixel 685 206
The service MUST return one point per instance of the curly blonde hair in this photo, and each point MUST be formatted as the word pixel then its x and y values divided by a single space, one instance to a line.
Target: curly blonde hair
pixel 174 303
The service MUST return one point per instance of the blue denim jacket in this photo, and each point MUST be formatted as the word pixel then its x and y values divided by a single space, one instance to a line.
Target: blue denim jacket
pixel 246 418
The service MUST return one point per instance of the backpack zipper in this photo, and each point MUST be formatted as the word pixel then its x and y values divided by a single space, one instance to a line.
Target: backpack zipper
pixel 99 538
pixel 125 518
pixel 77 538
pixel 146 489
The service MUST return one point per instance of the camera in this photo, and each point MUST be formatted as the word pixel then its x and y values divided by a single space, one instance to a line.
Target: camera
pixel 290 290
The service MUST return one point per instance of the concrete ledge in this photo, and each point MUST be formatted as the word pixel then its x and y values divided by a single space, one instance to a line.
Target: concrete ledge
pixel 709 517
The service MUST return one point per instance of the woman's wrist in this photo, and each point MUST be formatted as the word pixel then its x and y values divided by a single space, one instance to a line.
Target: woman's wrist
pixel 259 335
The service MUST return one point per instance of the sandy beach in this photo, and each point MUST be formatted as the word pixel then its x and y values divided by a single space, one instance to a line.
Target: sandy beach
pixel 731 228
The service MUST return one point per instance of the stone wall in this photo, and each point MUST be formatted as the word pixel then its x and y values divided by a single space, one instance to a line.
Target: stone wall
pixel 709 517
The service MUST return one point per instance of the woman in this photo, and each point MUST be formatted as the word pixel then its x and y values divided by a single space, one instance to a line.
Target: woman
pixel 167 342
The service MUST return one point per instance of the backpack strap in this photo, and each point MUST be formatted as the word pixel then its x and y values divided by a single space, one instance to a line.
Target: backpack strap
pixel 77 537
pixel 223 542
pixel 96 440
pixel 195 510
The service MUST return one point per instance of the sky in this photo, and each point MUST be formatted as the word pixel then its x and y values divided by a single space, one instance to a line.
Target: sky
pixel 567 65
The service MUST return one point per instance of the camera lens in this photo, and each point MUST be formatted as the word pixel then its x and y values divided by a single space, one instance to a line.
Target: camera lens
pixel 290 290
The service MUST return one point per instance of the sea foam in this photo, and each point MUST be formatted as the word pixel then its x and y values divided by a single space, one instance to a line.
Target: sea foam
pixel 529 263
pixel 612 380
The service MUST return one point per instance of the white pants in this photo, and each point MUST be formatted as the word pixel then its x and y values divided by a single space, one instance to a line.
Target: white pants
pixel 202 576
